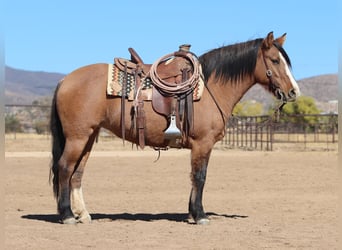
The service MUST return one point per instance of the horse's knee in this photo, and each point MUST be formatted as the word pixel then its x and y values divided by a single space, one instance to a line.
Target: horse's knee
pixel 199 177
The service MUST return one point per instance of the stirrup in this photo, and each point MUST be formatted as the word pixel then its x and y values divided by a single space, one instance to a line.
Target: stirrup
pixel 172 132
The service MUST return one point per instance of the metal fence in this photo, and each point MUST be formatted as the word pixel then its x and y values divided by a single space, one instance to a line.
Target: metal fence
pixel 313 132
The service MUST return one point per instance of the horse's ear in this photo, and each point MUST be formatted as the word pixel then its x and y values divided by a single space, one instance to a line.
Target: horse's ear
pixel 281 40
pixel 268 41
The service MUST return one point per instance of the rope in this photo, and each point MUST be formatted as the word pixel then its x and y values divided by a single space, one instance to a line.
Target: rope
pixel 171 88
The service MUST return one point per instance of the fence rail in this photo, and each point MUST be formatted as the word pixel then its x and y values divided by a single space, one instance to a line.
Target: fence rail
pixel 263 133
pixel 318 132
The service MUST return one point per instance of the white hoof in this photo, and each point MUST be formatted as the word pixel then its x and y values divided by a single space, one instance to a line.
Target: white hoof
pixel 203 221
pixel 86 219
pixel 69 221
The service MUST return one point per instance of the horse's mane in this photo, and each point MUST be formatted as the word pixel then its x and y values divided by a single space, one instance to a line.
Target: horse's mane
pixel 234 61
pixel 231 62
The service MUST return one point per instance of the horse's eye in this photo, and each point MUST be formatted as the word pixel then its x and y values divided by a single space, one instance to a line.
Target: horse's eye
pixel 275 61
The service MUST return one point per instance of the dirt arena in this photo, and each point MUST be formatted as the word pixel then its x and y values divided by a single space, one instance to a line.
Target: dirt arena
pixel 255 200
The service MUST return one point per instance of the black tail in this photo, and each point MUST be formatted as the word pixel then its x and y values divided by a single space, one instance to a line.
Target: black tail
pixel 58 143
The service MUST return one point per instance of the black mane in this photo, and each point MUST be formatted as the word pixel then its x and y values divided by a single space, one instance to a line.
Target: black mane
pixel 234 61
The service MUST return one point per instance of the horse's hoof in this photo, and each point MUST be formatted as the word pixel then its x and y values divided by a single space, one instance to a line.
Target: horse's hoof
pixel 69 221
pixel 85 219
pixel 204 221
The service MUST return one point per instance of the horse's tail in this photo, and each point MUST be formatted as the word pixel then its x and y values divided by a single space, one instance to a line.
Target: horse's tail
pixel 58 143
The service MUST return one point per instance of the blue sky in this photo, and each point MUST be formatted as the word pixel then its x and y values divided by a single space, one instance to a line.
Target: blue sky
pixel 60 36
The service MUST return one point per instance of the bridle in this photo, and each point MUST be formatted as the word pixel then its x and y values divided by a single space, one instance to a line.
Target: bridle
pixel 272 85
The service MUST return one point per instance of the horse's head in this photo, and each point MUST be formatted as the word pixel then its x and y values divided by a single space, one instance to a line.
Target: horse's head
pixel 273 69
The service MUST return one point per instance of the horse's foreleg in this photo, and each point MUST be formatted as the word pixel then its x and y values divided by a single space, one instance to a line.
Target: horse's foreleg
pixel 77 201
pixel 199 163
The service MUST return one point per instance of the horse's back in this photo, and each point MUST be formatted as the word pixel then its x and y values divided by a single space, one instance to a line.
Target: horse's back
pixel 83 75
pixel 86 78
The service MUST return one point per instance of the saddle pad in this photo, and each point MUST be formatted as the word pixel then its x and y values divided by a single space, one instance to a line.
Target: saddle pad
pixel 116 78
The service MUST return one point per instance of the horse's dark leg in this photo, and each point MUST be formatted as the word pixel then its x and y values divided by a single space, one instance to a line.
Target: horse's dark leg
pixel 67 165
pixel 77 202
pixel 199 164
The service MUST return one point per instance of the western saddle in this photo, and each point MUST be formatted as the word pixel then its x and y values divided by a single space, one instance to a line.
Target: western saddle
pixel 174 77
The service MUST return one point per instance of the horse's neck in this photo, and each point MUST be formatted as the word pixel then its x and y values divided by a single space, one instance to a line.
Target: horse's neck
pixel 228 94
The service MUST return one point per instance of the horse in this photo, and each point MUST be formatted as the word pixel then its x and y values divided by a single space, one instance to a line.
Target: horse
pixel 80 107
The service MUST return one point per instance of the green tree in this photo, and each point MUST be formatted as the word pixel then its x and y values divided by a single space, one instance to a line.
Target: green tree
pixel 304 105
pixel 248 108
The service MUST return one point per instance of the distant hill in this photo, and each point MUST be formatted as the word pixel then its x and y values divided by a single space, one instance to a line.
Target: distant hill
pixel 323 88
pixel 23 87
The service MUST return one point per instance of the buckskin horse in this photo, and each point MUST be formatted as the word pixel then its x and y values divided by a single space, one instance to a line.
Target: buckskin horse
pixel 80 107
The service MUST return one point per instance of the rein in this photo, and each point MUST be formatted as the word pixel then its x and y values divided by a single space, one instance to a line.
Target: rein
pixel 224 118
pixel 274 117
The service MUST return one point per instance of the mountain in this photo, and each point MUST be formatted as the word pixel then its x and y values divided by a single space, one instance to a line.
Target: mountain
pixel 23 87
pixel 323 88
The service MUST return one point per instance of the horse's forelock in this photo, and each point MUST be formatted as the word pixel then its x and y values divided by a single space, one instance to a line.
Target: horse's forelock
pixel 283 52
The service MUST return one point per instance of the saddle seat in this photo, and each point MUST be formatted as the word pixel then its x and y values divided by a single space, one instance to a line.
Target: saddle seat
pixel 169 69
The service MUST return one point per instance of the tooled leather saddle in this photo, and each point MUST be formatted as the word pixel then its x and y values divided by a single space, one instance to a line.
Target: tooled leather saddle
pixel 166 80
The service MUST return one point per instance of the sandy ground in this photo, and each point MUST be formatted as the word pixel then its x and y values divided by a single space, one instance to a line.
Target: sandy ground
pixel 255 200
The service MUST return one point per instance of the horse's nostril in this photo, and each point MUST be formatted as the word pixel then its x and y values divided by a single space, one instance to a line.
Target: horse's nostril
pixel 279 94
pixel 292 93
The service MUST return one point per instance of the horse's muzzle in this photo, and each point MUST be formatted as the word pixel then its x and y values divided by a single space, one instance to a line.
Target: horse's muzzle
pixel 290 97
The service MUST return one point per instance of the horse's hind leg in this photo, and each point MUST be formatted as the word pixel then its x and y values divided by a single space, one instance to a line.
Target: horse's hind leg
pixel 77 202
pixel 76 194
pixel 70 161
